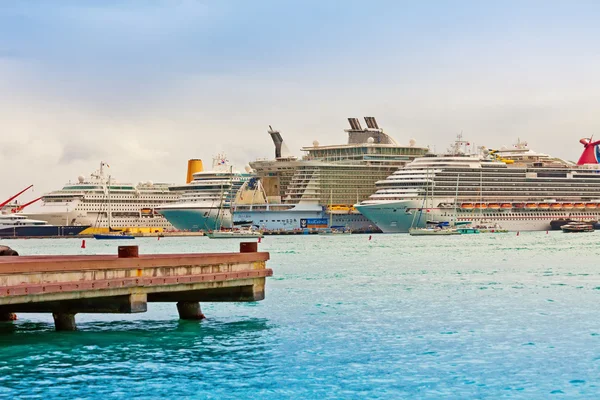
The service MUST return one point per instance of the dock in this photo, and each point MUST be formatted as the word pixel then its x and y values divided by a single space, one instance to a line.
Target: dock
pixel 125 283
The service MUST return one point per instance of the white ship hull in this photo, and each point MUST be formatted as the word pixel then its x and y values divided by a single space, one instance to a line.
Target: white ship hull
pixel 197 219
pixel 397 217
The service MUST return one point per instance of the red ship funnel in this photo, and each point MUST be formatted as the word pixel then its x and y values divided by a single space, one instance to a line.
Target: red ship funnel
pixel 591 152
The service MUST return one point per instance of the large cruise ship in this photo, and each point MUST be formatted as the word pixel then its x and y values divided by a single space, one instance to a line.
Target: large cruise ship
pixel 320 189
pixel 518 189
pixel 206 202
pixel 85 203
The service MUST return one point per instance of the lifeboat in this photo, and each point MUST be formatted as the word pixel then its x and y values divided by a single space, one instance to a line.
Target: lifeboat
pixel 544 206
pixel 467 206
pixel 579 206
pixel 494 206
pixel 146 211
pixel 506 206
pixel 518 205
pixel 567 206
pixel 591 205
pixel 531 206
pixel 556 206
pixel 481 206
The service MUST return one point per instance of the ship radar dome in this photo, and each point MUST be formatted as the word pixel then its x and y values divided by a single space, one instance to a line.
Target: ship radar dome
pixel 81 178
pixel 150 183
pixel 370 140
pixel 316 143
pixel 412 142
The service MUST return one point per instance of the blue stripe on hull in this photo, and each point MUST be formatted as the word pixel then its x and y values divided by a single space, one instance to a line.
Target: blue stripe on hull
pixel 42 231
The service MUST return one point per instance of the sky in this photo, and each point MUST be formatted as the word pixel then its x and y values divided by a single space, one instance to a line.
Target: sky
pixel 145 85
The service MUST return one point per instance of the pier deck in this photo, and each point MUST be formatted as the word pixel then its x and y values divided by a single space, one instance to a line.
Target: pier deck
pixel 67 285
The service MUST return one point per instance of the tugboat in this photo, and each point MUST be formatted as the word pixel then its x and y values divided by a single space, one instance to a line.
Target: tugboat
pixel 577 227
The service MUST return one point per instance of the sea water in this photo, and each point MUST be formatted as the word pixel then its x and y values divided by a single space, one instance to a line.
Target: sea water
pixel 474 316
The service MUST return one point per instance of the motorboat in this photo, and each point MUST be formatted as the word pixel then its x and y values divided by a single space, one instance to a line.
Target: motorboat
pixel 572 227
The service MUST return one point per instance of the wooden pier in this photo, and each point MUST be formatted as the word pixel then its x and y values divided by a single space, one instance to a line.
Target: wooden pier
pixel 125 283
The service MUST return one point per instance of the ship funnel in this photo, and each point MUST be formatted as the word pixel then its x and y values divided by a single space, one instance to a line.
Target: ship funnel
pixel 591 152
pixel 355 124
pixel 194 165
pixel 371 123
pixel 277 141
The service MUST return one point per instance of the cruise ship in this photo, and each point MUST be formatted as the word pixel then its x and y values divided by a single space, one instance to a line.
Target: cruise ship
pixel 320 189
pixel 85 203
pixel 518 189
pixel 206 200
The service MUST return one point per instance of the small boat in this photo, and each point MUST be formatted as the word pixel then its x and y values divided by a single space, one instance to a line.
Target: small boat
pixel 467 206
pixel 506 206
pixel 481 206
pixel 579 206
pixel 237 234
pixel 112 236
pixel 432 231
pixel 577 227
pixel 591 205
pixel 567 206
pixel 518 205
pixel 556 206
pixel 544 206
pixel 494 206
pixel 466 230
pixel 531 206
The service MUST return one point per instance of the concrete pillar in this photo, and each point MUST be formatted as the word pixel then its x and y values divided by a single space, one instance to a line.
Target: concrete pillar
pixel 189 310
pixel 64 321
pixel 128 252
pixel 7 316
pixel 248 247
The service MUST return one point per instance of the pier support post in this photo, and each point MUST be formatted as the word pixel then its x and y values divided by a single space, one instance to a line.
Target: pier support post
pixel 64 321
pixel 189 310
pixel 7 316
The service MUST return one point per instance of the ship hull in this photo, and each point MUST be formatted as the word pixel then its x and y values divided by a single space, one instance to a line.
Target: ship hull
pixel 397 217
pixel 41 231
pixel 197 219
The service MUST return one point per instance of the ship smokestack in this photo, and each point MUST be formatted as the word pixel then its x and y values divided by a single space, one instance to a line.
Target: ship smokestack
pixel 591 152
pixel 194 165
pixel 277 141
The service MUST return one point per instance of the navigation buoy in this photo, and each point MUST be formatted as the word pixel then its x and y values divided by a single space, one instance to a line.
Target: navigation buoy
pixel 158 237
pixel 546 232
pixel 370 237
pixel 518 233
pixel 259 239
pixel 83 244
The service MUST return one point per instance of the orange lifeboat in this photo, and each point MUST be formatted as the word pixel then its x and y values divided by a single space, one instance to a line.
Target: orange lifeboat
pixel 555 206
pixel 493 206
pixel 544 206
pixel 591 205
pixel 567 206
pixel 518 205
pixel 579 206
pixel 467 206
pixel 481 206
pixel 531 206
pixel 506 206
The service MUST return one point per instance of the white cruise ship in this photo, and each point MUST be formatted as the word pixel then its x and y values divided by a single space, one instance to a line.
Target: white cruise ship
pixel 518 189
pixel 205 204
pixel 320 189
pixel 85 203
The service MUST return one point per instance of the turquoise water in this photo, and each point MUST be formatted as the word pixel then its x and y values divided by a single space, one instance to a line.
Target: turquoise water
pixel 478 316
